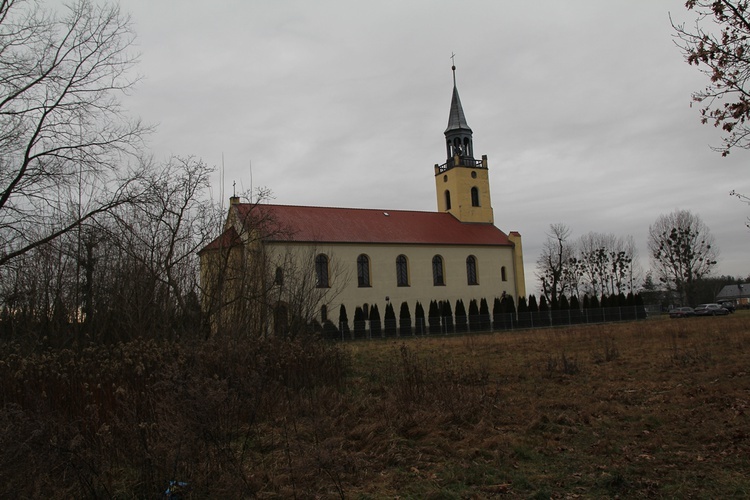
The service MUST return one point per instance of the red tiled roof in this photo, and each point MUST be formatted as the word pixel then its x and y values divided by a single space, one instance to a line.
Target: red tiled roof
pixel 227 239
pixel 356 225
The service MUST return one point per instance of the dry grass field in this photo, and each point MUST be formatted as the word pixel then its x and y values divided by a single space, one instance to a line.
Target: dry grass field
pixel 645 409
pixel 656 408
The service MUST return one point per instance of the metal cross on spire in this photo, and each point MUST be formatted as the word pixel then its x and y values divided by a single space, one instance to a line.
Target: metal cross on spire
pixel 453 67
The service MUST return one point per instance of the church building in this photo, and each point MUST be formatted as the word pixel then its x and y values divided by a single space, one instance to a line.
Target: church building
pixel 276 264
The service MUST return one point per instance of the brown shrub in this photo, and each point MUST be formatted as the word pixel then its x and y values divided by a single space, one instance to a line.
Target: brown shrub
pixel 127 418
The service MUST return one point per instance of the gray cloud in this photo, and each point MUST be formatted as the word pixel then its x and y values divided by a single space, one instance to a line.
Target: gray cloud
pixel 582 107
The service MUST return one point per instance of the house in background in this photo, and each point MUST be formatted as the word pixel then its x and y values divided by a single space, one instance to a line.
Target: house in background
pixel 738 294
pixel 275 264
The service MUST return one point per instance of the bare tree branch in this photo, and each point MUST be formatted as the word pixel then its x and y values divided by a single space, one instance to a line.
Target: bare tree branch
pixel 719 45
pixel 64 138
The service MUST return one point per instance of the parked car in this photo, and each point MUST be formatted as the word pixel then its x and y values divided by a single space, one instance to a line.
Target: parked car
pixel 729 306
pixel 710 310
pixel 681 312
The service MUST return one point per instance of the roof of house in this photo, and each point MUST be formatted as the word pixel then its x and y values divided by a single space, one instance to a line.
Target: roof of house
pixel 357 225
pixel 734 292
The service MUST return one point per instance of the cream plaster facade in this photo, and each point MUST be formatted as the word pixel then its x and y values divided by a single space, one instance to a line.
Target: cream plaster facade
pixel 344 288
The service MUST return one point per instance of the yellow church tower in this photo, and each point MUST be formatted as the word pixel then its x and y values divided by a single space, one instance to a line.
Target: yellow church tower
pixel 462 183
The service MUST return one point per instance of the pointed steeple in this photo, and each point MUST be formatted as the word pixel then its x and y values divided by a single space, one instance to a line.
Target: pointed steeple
pixel 458 135
pixel 456 119
pixel 462 183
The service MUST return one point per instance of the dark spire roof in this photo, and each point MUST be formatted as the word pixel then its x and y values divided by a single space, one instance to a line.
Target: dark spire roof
pixel 457 119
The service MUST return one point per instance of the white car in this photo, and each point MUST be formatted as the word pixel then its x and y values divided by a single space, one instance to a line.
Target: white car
pixel 710 310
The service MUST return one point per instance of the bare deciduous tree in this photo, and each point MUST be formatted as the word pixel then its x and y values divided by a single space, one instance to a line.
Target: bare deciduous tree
pixel 173 220
pixel 554 260
pixel 682 252
pixel 64 139
pixel 607 263
pixel 131 272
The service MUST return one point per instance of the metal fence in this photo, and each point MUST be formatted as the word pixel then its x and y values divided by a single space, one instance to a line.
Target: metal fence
pixel 459 325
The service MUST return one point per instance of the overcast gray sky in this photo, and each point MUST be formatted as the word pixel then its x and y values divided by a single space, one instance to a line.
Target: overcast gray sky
pixel 583 108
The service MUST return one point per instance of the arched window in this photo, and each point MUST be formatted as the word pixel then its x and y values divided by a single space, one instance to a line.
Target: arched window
pixel 402 271
pixel 471 270
pixel 467 147
pixel 279 278
pixel 321 271
pixel 447 200
pixel 503 276
pixel 474 197
pixel 363 270
pixel 438 278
